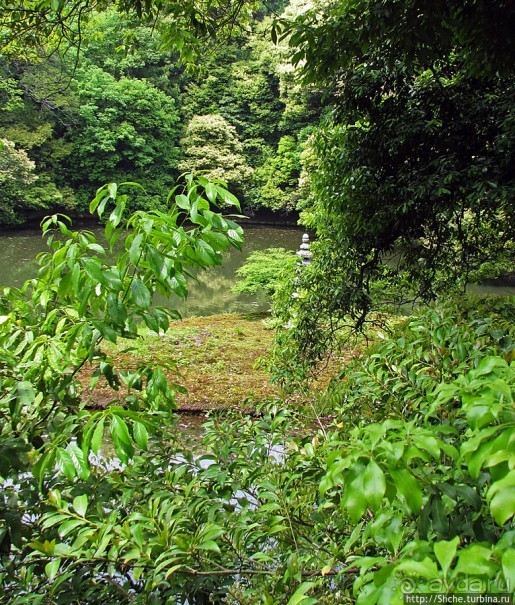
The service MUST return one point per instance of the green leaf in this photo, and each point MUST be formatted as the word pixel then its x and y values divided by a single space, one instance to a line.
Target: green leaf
pixel 408 486
pixel 156 261
pixel 117 214
pixel 374 485
pixel 440 521
pixel 488 364
pixel 475 560
pixel 99 202
pixel 502 505
pixel 445 552
pixel 205 253
pixel 209 545
pixel 182 202
pixel 79 461
pixel 428 443
pixel 177 285
pixel 299 596
pixel 140 294
pixel 94 247
pixel 25 393
pixel 508 567
pixel 469 495
pixel 140 434
pixel 93 269
pixel 426 568
pixel 80 504
pixel 211 192
pixel 211 531
pixel 121 438
pixel 112 188
pixel 135 248
pixel 69 525
pixel 44 462
pixel 64 463
pixel 354 500
pixel 116 309
pixel 52 568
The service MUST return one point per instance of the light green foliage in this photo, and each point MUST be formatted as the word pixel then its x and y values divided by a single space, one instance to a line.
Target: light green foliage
pixel 446 388
pixel 15 166
pixel 412 485
pixel 265 270
pixel 9 95
pixel 241 83
pixel 251 86
pixel 183 26
pixel 16 175
pixel 53 327
pixel 123 47
pixel 278 178
pixel 211 147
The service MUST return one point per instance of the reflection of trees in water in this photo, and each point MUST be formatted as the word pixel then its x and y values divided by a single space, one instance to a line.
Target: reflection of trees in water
pixel 18 257
pixel 210 294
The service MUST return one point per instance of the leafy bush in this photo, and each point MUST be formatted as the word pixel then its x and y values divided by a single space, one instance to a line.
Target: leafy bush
pixel 265 270
pixel 54 326
pixel 410 489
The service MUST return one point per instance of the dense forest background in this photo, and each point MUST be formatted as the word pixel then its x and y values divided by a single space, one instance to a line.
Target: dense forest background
pixel 121 108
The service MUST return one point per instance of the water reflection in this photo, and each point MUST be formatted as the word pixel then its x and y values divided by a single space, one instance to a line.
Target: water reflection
pixel 209 295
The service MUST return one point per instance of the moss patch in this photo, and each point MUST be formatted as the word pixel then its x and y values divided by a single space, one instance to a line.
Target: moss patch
pixel 213 357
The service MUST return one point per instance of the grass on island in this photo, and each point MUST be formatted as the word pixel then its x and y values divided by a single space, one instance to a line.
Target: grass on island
pixel 215 358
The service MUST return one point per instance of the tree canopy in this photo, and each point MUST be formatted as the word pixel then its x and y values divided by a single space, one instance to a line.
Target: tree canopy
pixel 186 26
pixel 211 147
pixel 123 96
pixel 413 186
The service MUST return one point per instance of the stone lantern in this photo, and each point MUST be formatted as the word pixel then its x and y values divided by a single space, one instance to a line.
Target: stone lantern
pixel 304 252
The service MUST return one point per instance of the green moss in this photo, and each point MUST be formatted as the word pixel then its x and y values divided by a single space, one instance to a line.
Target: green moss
pixel 214 358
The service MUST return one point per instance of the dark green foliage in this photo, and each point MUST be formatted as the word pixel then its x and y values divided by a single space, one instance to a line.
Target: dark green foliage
pixel 30 110
pixel 413 187
pixel 414 32
pixel 124 47
pixel 241 83
pixel 412 485
pixel 117 108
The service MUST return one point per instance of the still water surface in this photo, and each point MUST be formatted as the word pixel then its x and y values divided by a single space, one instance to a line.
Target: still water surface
pixel 210 295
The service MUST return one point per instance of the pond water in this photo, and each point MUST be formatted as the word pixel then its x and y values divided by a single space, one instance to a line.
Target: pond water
pixel 210 295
